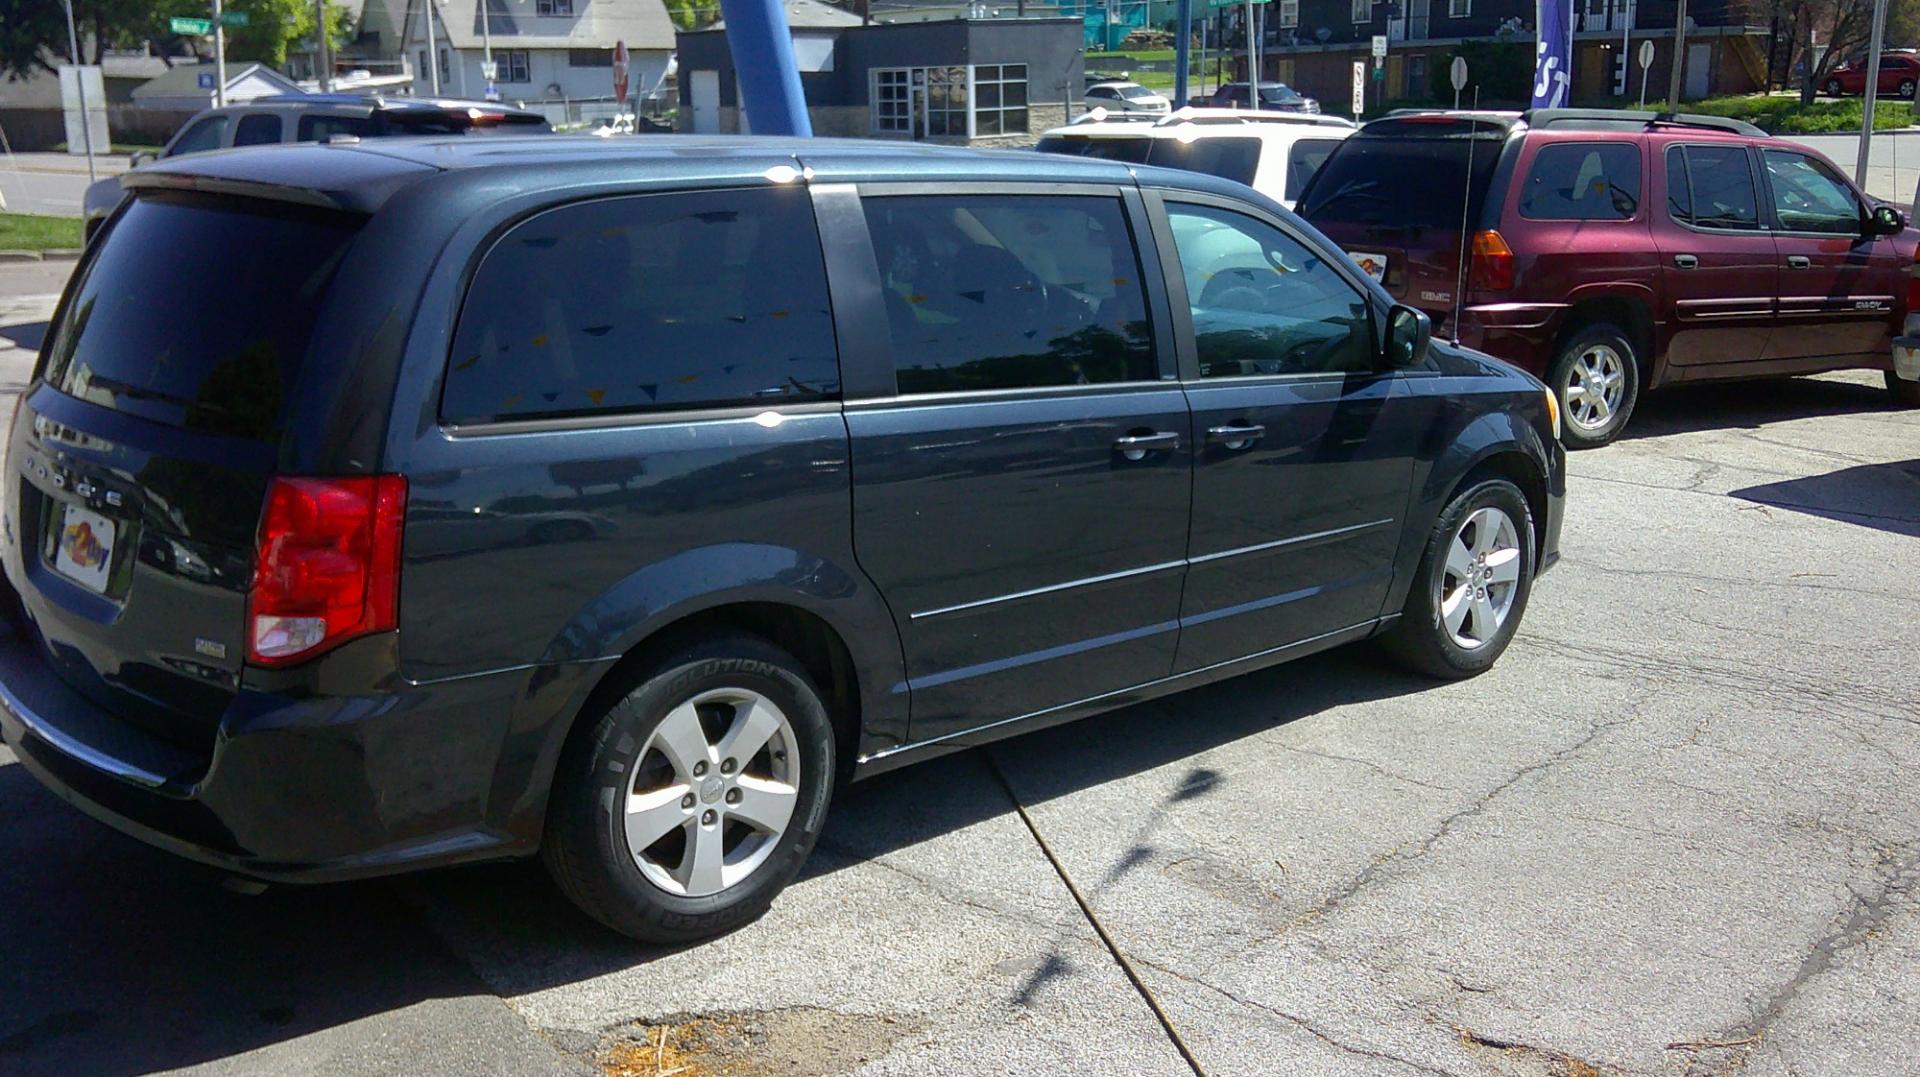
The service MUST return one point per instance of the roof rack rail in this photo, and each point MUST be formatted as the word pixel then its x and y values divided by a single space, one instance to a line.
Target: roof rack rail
pixel 1632 119
pixel 1464 113
pixel 1197 114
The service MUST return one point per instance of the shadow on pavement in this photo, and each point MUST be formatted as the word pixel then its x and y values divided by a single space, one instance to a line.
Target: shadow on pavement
pixel 26 335
pixel 1882 496
pixel 1748 405
pixel 121 959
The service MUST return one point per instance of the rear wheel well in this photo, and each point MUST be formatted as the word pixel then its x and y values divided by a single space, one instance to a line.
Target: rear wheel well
pixel 1520 470
pixel 1631 316
pixel 806 636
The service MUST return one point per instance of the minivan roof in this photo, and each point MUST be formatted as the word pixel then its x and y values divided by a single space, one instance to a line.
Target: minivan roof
pixel 362 176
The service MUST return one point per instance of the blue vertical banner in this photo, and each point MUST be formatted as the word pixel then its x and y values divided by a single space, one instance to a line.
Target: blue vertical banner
pixel 1553 54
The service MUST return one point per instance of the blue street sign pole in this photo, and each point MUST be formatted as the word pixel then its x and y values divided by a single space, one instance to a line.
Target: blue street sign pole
pixel 1180 54
pixel 763 61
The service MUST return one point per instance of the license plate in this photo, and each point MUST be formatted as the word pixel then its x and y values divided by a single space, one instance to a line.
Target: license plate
pixel 85 549
pixel 1373 265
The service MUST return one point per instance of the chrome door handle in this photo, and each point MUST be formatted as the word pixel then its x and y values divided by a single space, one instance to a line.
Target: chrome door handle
pixel 1236 437
pixel 1685 261
pixel 1799 261
pixel 1137 446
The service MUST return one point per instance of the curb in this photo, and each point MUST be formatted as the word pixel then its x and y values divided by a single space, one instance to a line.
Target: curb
pixel 55 254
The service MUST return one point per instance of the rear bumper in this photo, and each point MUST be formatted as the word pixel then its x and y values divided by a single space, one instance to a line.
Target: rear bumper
pixel 1906 350
pixel 298 789
pixel 1519 333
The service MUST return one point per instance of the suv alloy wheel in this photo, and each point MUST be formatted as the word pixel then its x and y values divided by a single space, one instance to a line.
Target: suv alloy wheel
pixel 1597 377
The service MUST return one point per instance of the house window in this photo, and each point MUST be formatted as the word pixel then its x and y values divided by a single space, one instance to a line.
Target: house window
pixel 1362 11
pixel 1289 13
pixel 1000 99
pixel 890 101
pixel 553 7
pixel 1459 9
pixel 589 57
pixel 513 65
pixel 446 66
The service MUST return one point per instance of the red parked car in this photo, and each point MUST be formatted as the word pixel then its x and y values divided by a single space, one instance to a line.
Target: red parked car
pixel 1899 74
pixel 1609 252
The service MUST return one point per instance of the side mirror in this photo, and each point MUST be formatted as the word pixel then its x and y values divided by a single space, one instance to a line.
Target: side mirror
pixel 144 157
pixel 1886 221
pixel 1409 332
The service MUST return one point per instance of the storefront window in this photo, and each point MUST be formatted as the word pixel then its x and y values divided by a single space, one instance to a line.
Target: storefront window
pixel 1000 99
pixel 890 100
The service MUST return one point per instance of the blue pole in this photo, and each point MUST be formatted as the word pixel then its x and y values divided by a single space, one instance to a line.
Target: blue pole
pixel 1180 54
pixel 763 61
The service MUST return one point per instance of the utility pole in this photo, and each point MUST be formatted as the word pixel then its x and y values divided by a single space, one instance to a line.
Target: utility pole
pixel 323 53
pixel 1253 60
pixel 1679 57
pixel 1873 87
pixel 80 89
pixel 1181 48
pixel 486 51
pixel 219 58
pixel 433 54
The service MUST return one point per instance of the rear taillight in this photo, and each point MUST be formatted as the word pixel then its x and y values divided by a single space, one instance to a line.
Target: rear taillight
pixel 1492 267
pixel 328 566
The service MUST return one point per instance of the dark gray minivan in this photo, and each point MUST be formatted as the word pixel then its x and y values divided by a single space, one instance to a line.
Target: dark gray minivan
pixel 410 503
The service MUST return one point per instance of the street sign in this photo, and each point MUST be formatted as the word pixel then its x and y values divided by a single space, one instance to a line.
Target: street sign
pixel 1646 55
pixel 1359 88
pixel 1459 73
pixel 489 69
pixel 234 18
pixel 191 27
pixel 1379 46
pixel 205 80
pixel 620 73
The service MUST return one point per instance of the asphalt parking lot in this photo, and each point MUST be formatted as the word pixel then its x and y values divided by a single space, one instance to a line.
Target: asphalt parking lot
pixel 1675 831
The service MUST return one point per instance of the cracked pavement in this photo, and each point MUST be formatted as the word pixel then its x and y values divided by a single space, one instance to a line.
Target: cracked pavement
pixel 1673 832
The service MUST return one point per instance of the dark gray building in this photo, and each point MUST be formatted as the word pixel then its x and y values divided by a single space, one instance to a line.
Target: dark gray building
pixel 981 81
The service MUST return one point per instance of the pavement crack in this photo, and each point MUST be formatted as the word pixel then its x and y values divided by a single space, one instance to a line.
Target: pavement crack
pixel 1370 765
pixel 943 891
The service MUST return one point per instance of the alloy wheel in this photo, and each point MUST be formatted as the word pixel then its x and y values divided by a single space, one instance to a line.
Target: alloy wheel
pixel 1595 385
pixel 1481 579
pixel 712 792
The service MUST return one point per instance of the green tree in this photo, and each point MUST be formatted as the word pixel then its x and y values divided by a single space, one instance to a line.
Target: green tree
pixel 693 14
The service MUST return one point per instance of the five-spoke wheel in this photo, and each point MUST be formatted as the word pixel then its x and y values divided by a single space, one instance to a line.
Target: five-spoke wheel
pixel 1471 589
pixel 1597 377
pixel 1481 579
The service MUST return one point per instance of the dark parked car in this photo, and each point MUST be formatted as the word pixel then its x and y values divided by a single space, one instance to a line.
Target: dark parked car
pixel 825 458
pixel 1614 251
pixel 317 118
pixel 1274 97
pixel 1899 74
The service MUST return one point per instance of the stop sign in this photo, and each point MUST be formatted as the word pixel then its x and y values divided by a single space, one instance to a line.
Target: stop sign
pixel 620 72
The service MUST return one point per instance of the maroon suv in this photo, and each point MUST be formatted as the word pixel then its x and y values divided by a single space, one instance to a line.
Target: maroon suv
pixel 1611 251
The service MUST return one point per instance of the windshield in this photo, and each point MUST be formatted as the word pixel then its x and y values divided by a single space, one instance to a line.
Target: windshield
pixel 1278 91
pixel 1135 93
pixel 1304 161
pixel 1405 182
pixel 195 312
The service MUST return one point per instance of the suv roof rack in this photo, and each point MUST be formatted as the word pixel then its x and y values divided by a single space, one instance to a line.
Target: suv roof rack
pixel 1192 114
pixel 1601 119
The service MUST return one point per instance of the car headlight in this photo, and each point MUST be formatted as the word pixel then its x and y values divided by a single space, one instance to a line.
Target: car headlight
pixel 1553 411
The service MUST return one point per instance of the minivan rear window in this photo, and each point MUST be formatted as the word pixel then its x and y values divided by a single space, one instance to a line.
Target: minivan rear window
pixel 1236 159
pixel 196 311
pixel 1404 182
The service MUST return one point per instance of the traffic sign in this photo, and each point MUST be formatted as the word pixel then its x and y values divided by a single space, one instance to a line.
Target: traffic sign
pixel 620 73
pixel 1379 46
pixel 1359 88
pixel 205 80
pixel 191 27
pixel 1646 55
pixel 1459 73
pixel 234 18
pixel 489 69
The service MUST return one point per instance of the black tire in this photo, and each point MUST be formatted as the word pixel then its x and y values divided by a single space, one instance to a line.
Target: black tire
pixel 1561 374
pixel 1905 393
pixel 1420 639
pixel 1905 89
pixel 586 847
pixel 1834 89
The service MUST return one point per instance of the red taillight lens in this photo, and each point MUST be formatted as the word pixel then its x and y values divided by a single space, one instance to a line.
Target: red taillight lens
pixel 1492 266
pixel 328 566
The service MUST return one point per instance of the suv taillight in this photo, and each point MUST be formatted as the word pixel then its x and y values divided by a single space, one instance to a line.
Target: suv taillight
pixel 328 565
pixel 1492 266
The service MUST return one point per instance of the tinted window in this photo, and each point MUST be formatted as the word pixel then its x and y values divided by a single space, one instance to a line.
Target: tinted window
pixel 647 303
pixel 1131 150
pixel 1720 188
pixel 1229 158
pixel 1265 303
pixel 1411 182
pixel 315 128
pixel 1679 198
pixel 1304 159
pixel 996 292
pixel 1583 182
pixel 201 137
pixel 196 312
pixel 257 129
pixel 1807 197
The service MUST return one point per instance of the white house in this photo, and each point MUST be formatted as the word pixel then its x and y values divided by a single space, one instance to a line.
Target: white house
pixel 189 87
pixel 543 50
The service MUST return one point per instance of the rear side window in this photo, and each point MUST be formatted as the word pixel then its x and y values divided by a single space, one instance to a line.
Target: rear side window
pixel 1004 292
pixel 1235 159
pixel 257 129
pixel 1304 159
pixel 1131 150
pixel 202 136
pixel 1412 182
pixel 196 312
pixel 315 128
pixel 1719 187
pixel 647 303
pixel 1591 181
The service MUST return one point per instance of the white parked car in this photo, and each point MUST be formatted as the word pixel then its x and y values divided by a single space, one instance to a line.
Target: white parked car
pixel 1120 96
pixel 1275 153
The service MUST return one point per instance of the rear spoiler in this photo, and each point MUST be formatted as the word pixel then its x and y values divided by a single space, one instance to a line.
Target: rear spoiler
pixel 273 192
